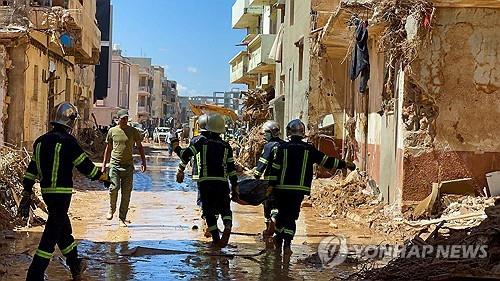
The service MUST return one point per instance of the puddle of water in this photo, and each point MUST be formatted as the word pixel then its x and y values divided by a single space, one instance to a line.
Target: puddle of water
pixel 162 215
pixel 160 175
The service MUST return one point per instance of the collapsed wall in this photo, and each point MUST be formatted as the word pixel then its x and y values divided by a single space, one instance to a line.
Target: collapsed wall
pixel 452 102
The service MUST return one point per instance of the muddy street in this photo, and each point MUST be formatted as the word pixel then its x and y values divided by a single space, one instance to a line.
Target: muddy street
pixel 165 238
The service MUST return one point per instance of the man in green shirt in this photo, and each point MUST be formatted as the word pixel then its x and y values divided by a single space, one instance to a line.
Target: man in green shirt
pixel 119 147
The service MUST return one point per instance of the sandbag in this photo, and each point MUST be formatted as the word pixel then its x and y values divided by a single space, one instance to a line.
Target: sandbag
pixel 252 192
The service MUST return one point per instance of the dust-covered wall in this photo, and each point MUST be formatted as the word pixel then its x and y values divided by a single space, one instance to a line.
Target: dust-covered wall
pixel 452 102
pixel 4 64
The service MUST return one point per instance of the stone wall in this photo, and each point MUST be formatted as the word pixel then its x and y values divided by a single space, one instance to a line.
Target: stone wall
pixel 452 102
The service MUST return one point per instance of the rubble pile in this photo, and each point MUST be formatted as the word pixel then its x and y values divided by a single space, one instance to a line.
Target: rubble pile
pixel 452 205
pixel 486 233
pixel 13 164
pixel 256 107
pixel 250 148
pixel 93 142
pixel 353 198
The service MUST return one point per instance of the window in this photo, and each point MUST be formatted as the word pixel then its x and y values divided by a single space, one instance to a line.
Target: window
pixel 67 93
pixel 142 102
pixel 35 83
pixel 300 44
pixel 292 12
pixel 301 61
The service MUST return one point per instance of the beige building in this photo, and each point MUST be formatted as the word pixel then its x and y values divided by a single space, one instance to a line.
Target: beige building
pixel 423 118
pixel 142 91
pixel 157 102
pixel 171 103
pixel 46 58
pixel 253 66
pixel 119 92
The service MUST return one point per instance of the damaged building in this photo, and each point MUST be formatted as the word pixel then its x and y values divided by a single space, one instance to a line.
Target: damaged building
pixel 48 50
pixel 409 88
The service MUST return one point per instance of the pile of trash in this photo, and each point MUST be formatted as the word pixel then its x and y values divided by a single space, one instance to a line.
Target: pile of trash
pixel 483 266
pixel 256 106
pixel 93 142
pixel 13 164
pixel 250 148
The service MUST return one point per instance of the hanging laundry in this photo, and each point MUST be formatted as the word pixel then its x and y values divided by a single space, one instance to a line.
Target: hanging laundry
pixel 360 63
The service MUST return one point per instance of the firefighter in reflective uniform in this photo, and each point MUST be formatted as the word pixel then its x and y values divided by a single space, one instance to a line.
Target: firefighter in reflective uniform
pixel 202 123
pixel 216 165
pixel 271 131
pixel 292 177
pixel 56 153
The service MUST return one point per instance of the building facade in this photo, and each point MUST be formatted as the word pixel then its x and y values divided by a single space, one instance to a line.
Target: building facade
pixel 45 59
pixel 415 122
pixel 253 66
pixel 118 95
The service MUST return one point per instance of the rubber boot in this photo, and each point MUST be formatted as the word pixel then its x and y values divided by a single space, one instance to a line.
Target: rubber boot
pixel 215 238
pixel 77 269
pixel 278 243
pixel 287 247
pixel 37 268
pixel 225 236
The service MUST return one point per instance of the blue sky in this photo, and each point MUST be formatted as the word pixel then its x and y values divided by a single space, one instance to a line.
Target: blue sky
pixel 193 39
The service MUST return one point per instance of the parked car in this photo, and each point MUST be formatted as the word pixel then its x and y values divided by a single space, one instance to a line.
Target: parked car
pixel 160 134
pixel 142 131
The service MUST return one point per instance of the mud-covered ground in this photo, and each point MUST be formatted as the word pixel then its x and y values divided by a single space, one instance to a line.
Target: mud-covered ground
pixel 165 239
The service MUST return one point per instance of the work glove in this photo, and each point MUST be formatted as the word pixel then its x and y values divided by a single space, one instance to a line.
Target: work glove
pixel 174 142
pixel 351 166
pixel 25 204
pixel 104 178
pixel 180 176
pixel 269 190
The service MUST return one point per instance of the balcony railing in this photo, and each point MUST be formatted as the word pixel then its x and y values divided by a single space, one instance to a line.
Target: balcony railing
pixel 259 49
pixel 244 15
pixel 239 68
pixel 144 89
pixel 143 110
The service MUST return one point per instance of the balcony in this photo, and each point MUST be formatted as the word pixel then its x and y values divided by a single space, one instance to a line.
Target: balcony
pixel 245 16
pixel 79 23
pixel 145 72
pixel 143 110
pixel 239 68
pixel 144 91
pixel 259 50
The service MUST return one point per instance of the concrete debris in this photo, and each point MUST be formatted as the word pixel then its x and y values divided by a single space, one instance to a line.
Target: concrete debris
pixel 432 268
pixel 93 142
pixel 13 164
pixel 455 205
pixel 427 207
pixel 256 106
pixel 250 148
pixel 350 198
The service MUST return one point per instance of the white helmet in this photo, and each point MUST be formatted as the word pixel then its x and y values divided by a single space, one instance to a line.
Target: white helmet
pixel 202 122
pixel 216 124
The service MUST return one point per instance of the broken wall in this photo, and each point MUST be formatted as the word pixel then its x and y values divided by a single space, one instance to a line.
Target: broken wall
pixel 452 102
pixel 328 82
